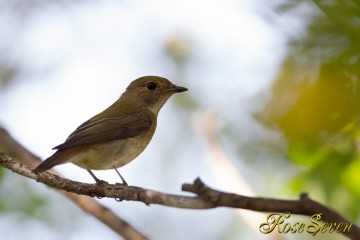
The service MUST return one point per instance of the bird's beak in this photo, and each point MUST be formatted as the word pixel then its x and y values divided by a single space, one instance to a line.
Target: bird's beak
pixel 177 89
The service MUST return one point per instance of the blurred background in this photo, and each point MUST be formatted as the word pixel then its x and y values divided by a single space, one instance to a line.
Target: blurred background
pixel 272 108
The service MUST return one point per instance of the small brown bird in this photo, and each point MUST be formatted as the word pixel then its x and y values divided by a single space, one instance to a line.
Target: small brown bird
pixel 114 137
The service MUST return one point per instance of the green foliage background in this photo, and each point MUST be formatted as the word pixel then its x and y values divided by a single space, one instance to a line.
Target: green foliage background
pixel 316 103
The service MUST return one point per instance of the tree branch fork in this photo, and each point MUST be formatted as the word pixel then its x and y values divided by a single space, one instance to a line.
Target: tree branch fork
pixel 204 197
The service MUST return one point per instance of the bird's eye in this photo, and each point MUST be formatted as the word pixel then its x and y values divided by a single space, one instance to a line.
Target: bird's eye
pixel 151 86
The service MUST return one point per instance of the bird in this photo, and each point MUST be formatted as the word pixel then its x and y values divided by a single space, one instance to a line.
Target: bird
pixel 117 135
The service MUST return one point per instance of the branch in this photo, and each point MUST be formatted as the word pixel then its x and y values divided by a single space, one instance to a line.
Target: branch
pixel 303 206
pixel 206 197
pixel 88 205
pixel 116 191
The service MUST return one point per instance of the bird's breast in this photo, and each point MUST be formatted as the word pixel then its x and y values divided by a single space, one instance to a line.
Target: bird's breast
pixel 112 154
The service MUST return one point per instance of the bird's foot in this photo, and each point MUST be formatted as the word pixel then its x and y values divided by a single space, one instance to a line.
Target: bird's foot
pixel 122 179
pixel 98 181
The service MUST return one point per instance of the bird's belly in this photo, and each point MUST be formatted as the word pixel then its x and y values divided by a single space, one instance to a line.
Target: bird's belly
pixel 110 155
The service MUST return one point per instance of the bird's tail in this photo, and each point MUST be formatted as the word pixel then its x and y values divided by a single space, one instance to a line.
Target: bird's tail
pixel 57 158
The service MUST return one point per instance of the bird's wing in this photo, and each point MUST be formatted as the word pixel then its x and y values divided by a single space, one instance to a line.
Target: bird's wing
pixel 108 129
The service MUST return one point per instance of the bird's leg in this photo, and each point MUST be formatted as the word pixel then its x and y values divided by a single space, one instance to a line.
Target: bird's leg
pixel 122 179
pixel 98 181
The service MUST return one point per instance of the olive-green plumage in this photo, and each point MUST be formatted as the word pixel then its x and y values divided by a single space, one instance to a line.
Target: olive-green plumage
pixel 114 137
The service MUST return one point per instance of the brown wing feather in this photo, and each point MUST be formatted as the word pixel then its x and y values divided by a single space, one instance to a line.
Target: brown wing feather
pixel 98 131
pixel 107 129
